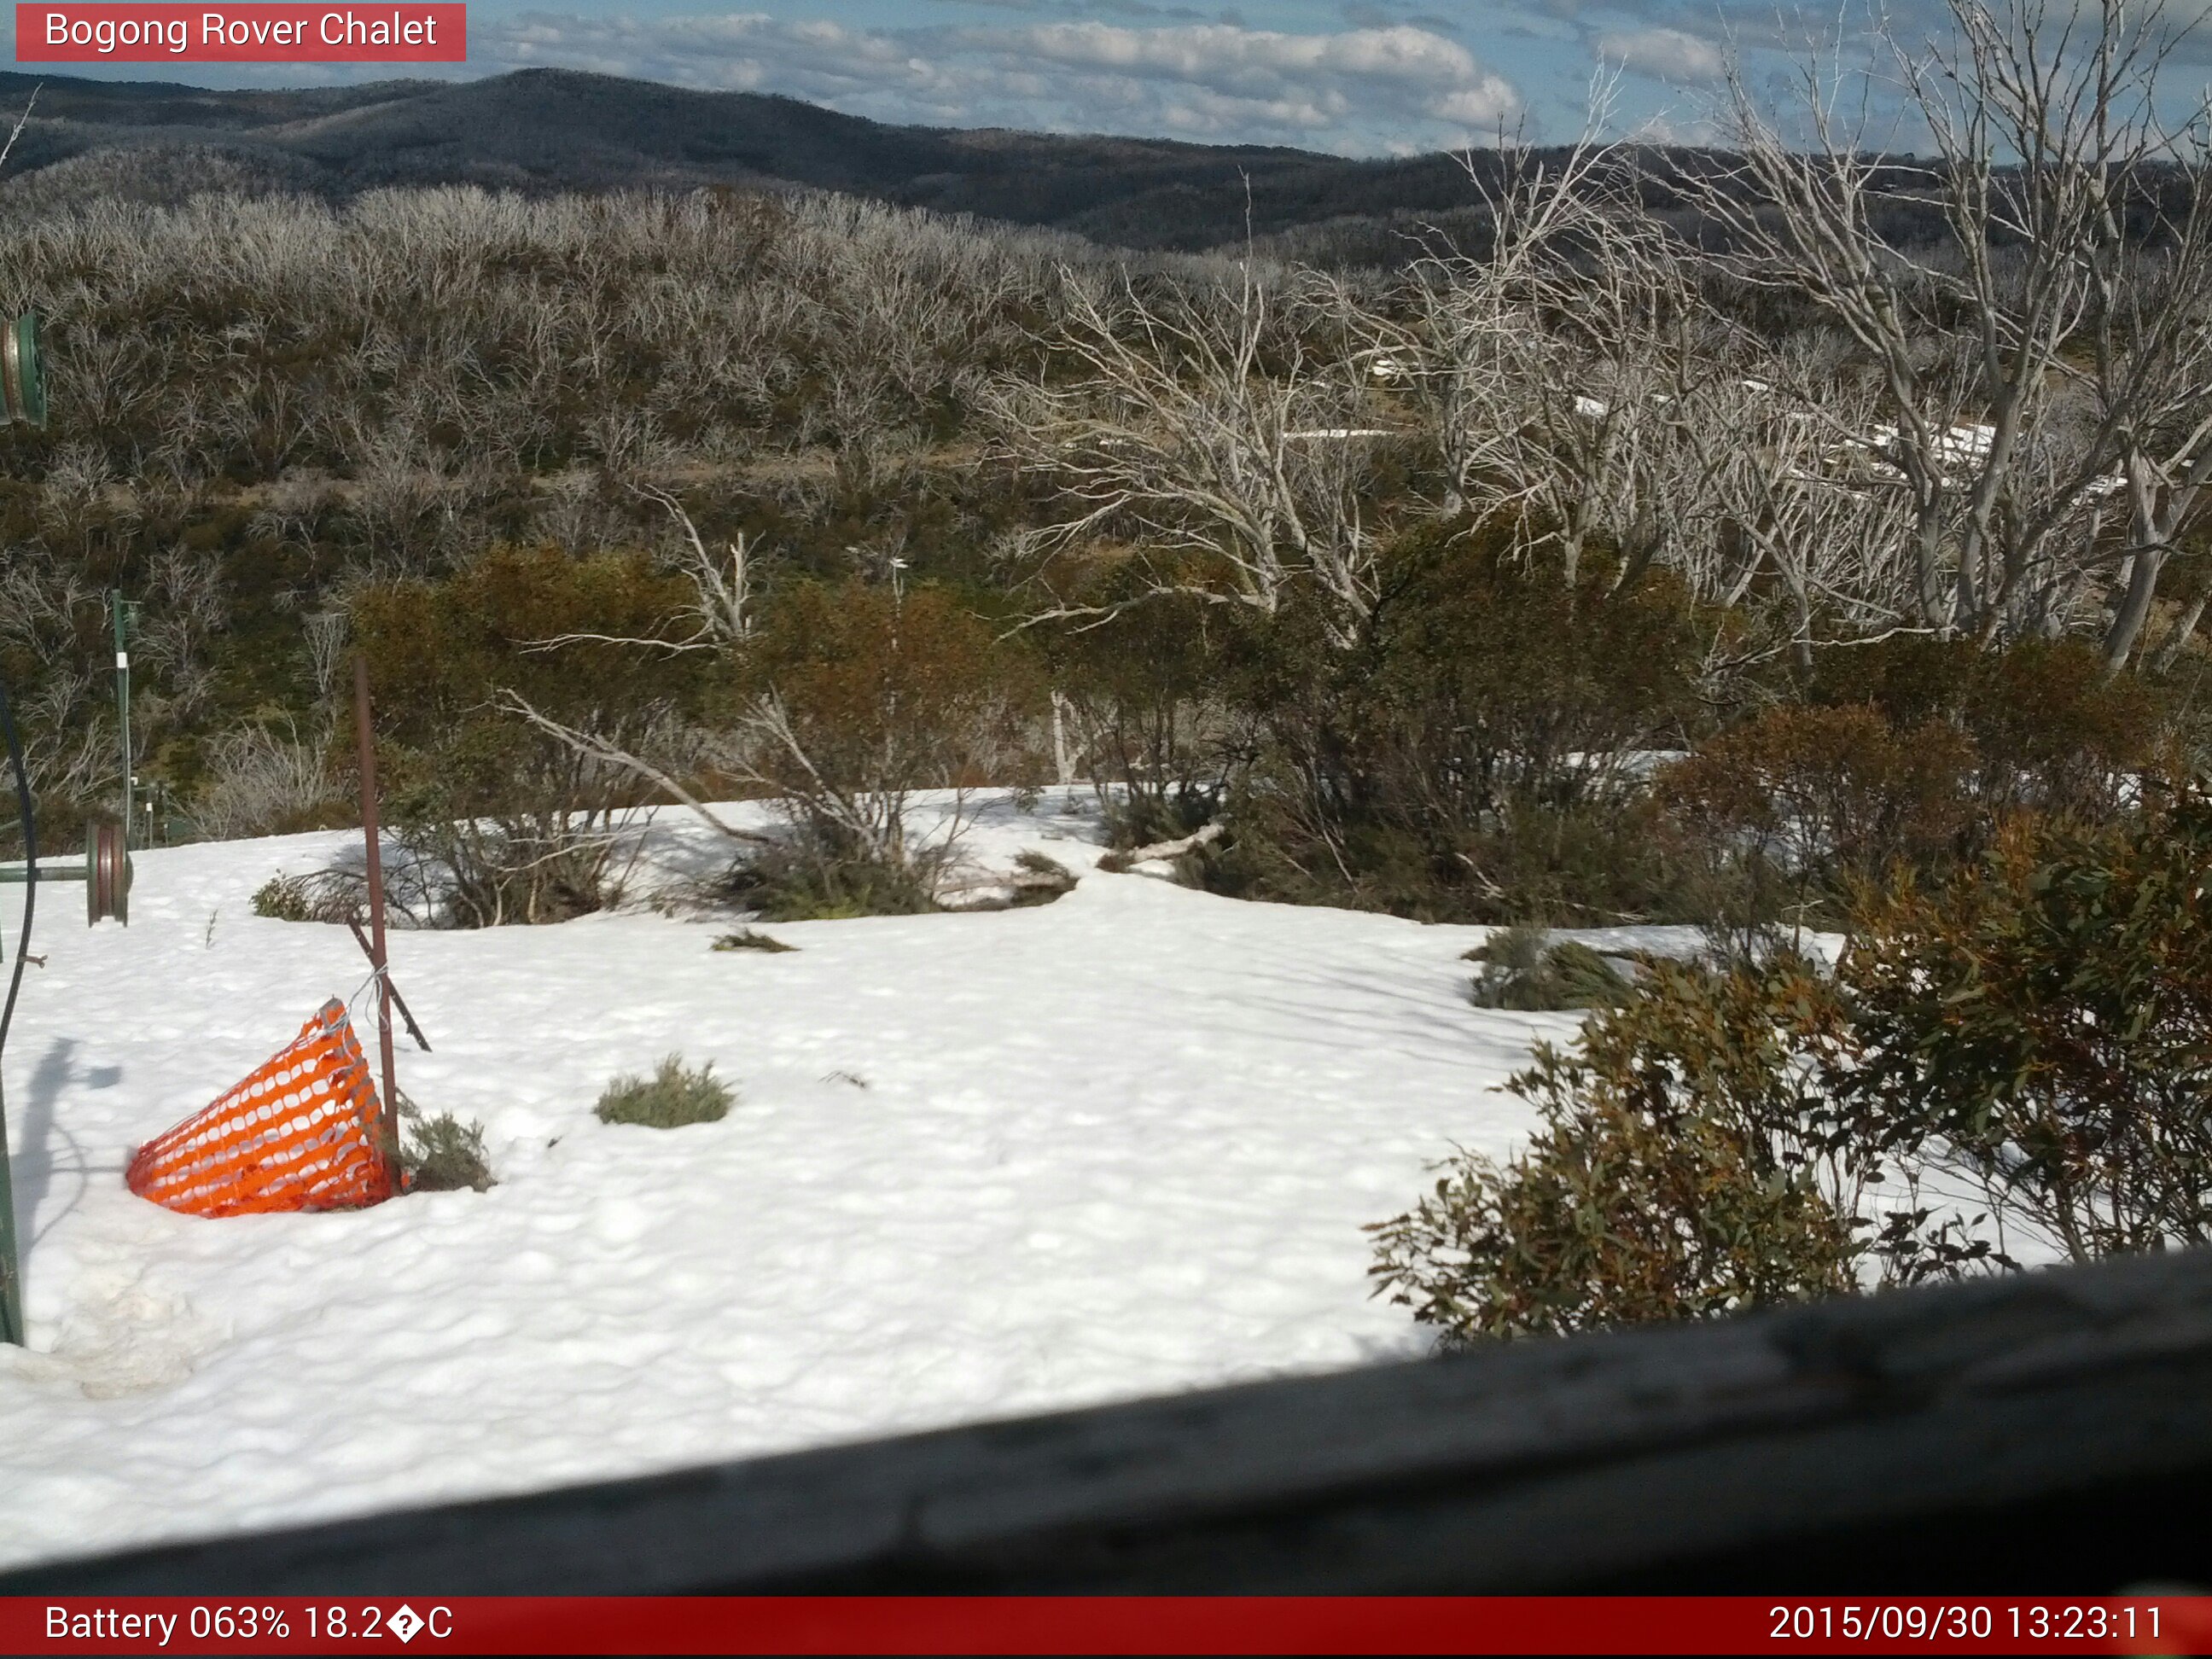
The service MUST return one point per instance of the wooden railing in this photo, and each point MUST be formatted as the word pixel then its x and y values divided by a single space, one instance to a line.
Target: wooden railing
pixel 2045 1433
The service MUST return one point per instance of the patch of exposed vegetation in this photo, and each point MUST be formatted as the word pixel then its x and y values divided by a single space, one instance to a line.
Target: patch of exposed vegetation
pixel 673 1096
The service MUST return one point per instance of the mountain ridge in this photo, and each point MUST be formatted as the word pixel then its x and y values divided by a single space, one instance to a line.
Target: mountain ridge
pixel 552 129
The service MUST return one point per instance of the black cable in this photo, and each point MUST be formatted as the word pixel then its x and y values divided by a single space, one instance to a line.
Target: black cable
pixel 30 862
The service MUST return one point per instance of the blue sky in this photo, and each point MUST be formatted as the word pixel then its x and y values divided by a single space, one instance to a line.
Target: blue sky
pixel 1357 76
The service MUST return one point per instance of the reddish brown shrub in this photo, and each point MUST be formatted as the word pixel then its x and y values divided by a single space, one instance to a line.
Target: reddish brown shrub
pixel 1803 801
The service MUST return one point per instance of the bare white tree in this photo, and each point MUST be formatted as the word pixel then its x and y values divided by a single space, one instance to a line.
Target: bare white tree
pixel 719 615
pixel 1802 506
pixel 260 780
pixel 594 749
pixel 1201 437
pixel 2052 353
pixel 326 653
pixel 1559 369
pixel 21 121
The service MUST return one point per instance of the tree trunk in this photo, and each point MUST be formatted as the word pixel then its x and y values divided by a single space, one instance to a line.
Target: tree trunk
pixel 2145 565
pixel 2170 653
pixel 1063 764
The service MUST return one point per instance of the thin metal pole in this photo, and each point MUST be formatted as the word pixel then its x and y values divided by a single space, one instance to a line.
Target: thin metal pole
pixel 11 1259
pixel 390 1127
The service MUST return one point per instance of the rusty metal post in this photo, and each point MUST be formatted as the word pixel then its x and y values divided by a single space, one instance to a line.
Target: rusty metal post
pixel 376 956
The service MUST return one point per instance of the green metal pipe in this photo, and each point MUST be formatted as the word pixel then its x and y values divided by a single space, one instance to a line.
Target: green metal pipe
pixel 122 610
pixel 11 1256
pixel 23 375
pixel 22 397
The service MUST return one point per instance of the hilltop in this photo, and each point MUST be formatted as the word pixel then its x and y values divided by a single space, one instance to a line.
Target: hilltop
pixel 552 129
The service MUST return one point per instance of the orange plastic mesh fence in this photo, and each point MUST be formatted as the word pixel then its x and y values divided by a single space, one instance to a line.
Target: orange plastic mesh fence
pixel 302 1132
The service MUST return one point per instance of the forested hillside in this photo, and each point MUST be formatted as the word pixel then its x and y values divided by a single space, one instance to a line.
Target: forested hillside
pixel 545 130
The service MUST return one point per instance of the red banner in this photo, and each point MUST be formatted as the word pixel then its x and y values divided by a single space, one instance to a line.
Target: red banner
pixel 1102 1625
pixel 75 33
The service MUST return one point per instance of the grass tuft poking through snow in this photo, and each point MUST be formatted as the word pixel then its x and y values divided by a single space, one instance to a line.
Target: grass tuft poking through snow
pixel 746 938
pixel 1520 969
pixel 1039 879
pixel 673 1096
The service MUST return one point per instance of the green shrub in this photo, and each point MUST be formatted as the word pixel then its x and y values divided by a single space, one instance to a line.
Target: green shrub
pixel 2056 733
pixel 673 1096
pixel 863 692
pixel 1697 1157
pixel 808 878
pixel 1144 701
pixel 2041 1022
pixel 1467 760
pixel 2044 1021
pixel 1675 1175
pixel 324 897
pixel 1586 861
pixel 1519 972
pixel 282 898
pixel 866 692
pixel 439 1153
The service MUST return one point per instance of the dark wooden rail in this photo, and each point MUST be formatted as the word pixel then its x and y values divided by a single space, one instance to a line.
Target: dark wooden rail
pixel 2045 1434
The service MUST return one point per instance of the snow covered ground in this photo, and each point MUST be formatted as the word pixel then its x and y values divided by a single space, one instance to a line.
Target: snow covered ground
pixel 980 1165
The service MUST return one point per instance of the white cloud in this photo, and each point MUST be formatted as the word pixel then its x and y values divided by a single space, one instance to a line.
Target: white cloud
pixel 1362 90
pixel 1695 132
pixel 1667 54
pixel 1210 50
pixel 1484 108
pixel 1262 79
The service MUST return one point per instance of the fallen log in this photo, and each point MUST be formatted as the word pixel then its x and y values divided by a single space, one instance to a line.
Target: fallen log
pixel 1123 863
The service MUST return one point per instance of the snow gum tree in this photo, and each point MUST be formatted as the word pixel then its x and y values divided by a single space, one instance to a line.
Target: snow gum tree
pixel 2045 411
pixel 1202 436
